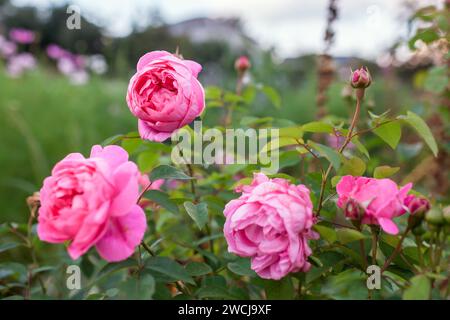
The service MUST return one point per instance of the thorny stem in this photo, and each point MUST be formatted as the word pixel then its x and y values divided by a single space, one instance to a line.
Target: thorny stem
pixel 359 97
pixel 396 251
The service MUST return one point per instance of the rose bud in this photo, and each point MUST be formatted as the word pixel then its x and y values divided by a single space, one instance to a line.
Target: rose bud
pixel 416 205
pixel 435 217
pixel 242 64
pixel 360 78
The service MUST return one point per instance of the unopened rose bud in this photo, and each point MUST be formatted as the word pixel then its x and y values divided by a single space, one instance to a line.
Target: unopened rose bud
pixel 242 64
pixel 435 217
pixel 416 205
pixel 360 78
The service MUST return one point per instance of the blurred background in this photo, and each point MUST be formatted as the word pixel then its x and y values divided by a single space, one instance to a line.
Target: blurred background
pixel 65 66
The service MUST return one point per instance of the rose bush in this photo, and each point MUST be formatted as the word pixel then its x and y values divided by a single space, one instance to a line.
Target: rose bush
pixel 340 204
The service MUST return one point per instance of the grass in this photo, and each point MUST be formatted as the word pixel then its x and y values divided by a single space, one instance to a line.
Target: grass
pixel 42 118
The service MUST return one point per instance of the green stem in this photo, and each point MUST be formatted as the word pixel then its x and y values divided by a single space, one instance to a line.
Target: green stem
pixel 359 97
pixel 374 245
pixel 147 248
pixel 396 251
pixel 419 249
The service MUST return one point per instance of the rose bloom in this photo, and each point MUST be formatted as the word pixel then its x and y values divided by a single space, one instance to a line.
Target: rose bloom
pixel 270 223
pixel 164 94
pixel 374 201
pixel 22 36
pixel 92 202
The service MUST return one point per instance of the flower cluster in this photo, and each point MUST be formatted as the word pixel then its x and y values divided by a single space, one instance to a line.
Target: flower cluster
pixel 96 201
pixel 18 61
pixel 75 66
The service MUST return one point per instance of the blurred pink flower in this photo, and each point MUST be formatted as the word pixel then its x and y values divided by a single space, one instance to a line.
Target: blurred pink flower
pixel 20 63
pixel 374 201
pixel 7 48
pixel 92 202
pixel 22 36
pixel 56 52
pixel 271 223
pixel 337 139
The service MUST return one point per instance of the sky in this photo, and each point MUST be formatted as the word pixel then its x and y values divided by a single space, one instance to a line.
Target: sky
pixel 365 28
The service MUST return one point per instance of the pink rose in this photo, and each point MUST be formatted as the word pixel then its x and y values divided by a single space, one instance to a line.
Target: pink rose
pixel 164 94
pixel 270 223
pixel 378 201
pixel 92 202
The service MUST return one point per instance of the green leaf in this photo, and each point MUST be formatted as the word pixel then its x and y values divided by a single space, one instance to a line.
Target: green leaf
pixel 214 292
pixel 241 267
pixel 427 36
pixel 147 160
pixel 213 93
pixel 384 171
pixel 422 129
pixel 361 148
pixel 419 289
pixel 8 246
pixel 353 166
pixel 318 126
pixel 112 140
pixel 168 267
pixel 198 213
pixel 196 269
pixel 277 143
pixel 346 235
pixel 437 79
pixel 114 267
pixel 141 288
pixel 326 233
pixel 335 180
pixel 294 132
pixel 131 145
pixel 162 199
pixel 279 290
pixel 390 133
pixel 273 96
pixel 168 172
pixel 329 153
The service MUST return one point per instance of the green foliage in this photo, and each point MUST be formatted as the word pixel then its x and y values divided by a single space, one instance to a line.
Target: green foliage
pixel 422 129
